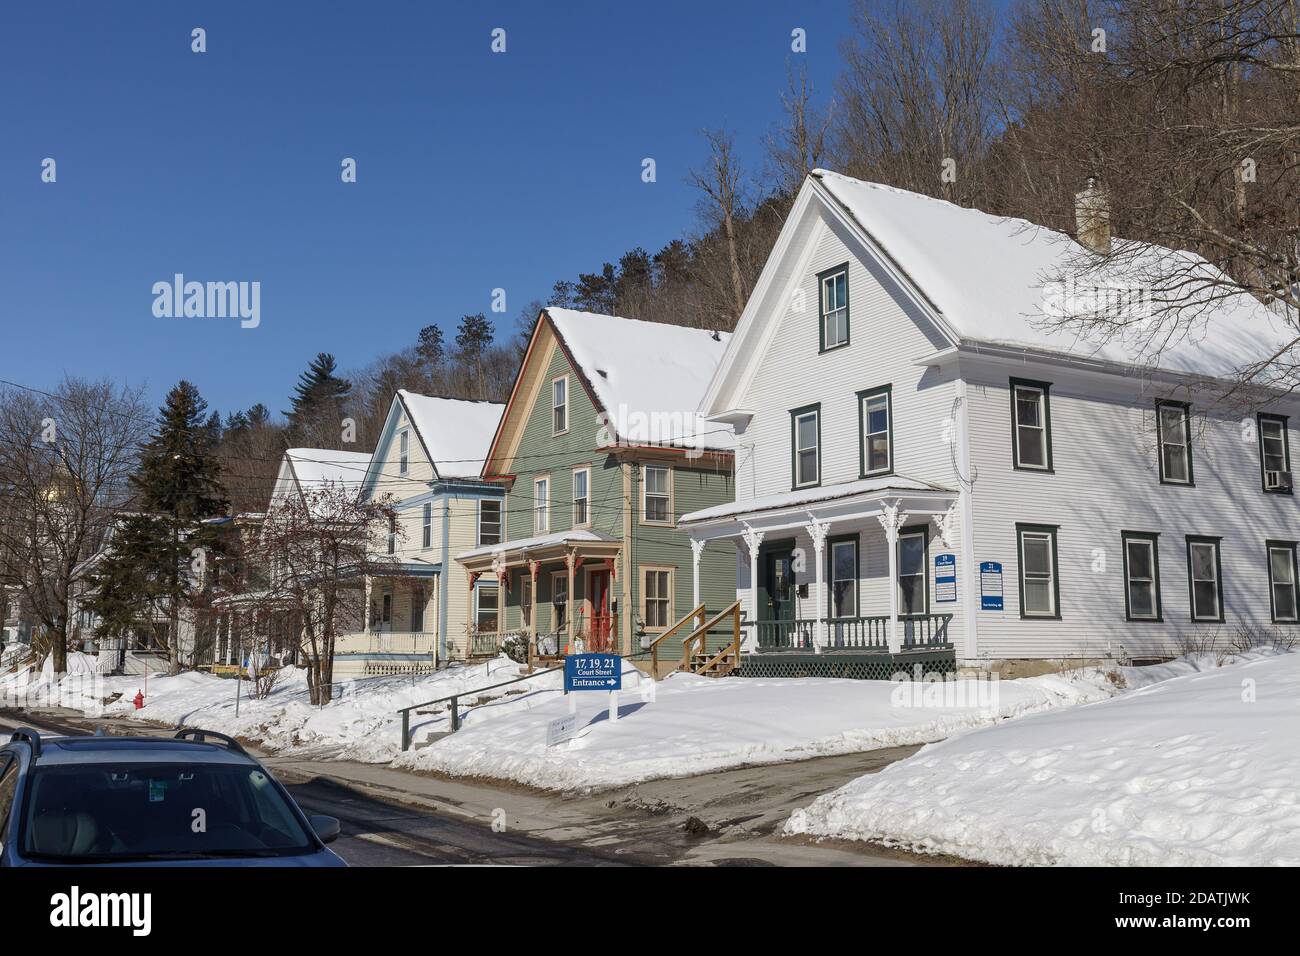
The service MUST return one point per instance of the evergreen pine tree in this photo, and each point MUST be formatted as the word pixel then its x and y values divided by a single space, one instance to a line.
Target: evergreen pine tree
pixel 158 554
pixel 319 395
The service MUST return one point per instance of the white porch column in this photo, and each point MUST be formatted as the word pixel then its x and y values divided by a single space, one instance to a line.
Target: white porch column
pixel 697 552
pixel 817 530
pixel 753 541
pixel 891 519
pixel 365 618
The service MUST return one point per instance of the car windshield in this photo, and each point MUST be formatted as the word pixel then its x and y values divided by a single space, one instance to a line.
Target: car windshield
pixel 132 811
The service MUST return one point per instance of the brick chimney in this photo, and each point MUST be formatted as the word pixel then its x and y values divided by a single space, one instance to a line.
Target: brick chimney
pixel 1092 216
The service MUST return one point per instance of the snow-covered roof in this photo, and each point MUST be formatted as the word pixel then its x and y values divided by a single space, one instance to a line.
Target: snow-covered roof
pixel 315 467
pixel 881 487
pixel 647 376
pixel 457 432
pixel 989 277
pixel 538 542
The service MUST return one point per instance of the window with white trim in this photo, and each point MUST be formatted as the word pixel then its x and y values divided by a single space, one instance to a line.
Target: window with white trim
pixel 1204 578
pixel 403 451
pixel 526 600
pixel 657 597
pixel 1039 587
pixel 581 496
pixel 834 308
pixel 489 521
pixel 541 505
pixel 560 405
pixel 805 438
pixel 1175 439
pixel 1282 582
pixel 392 534
pixel 487 608
pixel 656 493
pixel 426 526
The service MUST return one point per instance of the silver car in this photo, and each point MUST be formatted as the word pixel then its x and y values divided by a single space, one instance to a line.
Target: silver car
pixel 196 799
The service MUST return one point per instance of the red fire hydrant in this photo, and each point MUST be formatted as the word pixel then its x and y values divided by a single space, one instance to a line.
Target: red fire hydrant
pixel 139 700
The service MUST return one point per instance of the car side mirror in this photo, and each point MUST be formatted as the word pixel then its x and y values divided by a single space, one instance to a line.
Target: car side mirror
pixel 327 828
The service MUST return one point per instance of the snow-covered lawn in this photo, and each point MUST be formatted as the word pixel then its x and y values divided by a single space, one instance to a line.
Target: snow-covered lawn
pixel 698 724
pixel 362 724
pixel 1199 769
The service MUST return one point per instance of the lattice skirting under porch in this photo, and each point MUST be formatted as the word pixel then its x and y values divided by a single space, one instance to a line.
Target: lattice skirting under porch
pixel 847 666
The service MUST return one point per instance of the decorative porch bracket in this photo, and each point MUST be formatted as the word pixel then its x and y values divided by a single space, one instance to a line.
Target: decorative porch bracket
pixel 892 518
pixel 817 530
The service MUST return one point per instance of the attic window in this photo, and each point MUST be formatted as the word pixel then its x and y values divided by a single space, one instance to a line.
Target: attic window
pixel 560 405
pixel 834 307
pixel 403 452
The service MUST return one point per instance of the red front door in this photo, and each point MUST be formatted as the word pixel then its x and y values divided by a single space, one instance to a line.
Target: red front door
pixel 600 617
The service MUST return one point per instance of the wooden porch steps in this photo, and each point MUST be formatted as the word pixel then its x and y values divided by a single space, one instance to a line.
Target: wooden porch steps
pixel 696 657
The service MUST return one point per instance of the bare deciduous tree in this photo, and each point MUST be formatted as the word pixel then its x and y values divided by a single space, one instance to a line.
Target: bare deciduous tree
pixel 64 462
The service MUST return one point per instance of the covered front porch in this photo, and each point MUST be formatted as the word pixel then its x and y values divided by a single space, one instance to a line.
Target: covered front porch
pixel 557 591
pixel 845 571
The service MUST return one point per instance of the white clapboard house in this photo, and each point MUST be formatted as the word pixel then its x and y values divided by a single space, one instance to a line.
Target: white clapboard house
pixel 928 466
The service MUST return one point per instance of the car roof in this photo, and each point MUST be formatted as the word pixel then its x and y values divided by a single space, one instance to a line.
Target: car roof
pixel 67 751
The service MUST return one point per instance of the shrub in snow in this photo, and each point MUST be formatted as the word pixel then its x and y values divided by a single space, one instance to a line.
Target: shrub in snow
pixel 515 647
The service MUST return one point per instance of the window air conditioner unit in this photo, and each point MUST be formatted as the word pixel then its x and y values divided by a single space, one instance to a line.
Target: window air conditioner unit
pixel 1277 480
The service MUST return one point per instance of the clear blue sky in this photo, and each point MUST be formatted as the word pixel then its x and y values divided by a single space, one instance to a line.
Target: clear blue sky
pixel 475 170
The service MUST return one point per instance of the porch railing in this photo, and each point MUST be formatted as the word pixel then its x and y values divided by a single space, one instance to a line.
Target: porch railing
pixel 488 643
pixel 853 633
pixel 386 642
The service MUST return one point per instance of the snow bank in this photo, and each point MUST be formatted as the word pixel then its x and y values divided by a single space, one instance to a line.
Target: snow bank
pixel 687 725
pixel 360 724
pixel 1199 769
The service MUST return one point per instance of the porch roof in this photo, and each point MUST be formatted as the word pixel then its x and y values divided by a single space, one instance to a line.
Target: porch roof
pixel 515 552
pixel 848 499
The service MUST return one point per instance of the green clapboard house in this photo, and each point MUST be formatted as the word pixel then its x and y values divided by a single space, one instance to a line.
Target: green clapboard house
pixel 600 450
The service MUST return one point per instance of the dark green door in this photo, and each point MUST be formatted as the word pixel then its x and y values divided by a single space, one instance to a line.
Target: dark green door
pixel 776 616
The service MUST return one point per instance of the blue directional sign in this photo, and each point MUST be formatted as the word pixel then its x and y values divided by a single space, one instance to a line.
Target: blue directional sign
pixel 593 672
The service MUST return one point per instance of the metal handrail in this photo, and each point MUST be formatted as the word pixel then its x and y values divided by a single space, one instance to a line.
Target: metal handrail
pixel 455 703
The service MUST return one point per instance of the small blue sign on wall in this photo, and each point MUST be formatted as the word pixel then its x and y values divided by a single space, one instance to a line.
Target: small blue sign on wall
pixel 593 672
pixel 990 585
pixel 945 578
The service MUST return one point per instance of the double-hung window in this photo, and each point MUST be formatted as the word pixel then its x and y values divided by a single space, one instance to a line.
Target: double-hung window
pixel 581 496
pixel 1274 454
pixel 560 599
pixel 487 607
pixel 834 308
pixel 489 521
pixel 1141 576
pixel 875 419
pixel 657 599
pixel 657 496
pixel 541 505
pixel 1282 580
pixel 560 405
pixel 1174 436
pixel 403 452
pixel 392 534
pixel 913 579
pixel 805 441
pixel 1040 591
pixel 426 526
pixel 1204 578
pixel 1031 425
pixel 843 575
